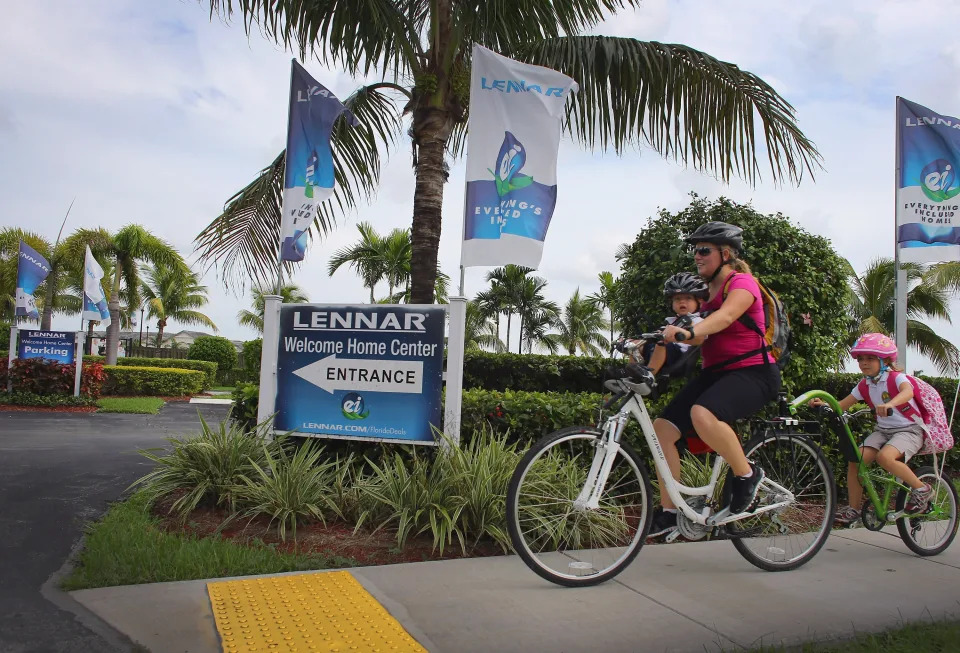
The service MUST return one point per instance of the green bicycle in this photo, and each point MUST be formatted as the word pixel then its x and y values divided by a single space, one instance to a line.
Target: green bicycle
pixel 927 533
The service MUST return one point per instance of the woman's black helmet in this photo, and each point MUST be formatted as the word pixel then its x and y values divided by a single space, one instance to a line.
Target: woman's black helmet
pixel 718 233
pixel 684 283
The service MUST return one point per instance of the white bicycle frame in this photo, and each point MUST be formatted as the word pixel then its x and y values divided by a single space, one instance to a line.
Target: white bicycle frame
pixel 609 445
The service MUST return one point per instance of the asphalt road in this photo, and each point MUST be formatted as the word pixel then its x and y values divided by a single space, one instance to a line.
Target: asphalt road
pixel 57 472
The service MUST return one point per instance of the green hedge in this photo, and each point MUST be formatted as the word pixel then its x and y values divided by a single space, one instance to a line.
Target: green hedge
pixel 535 372
pixel 207 367
pixel 32 399
pixel 155 381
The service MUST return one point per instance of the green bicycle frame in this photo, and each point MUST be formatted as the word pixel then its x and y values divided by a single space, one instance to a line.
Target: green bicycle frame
pixel 866 475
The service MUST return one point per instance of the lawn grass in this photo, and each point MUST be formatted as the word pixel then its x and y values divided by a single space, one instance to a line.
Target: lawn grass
pixel 126 547
pixel 927 637
pixel 224 388
pixel 144 405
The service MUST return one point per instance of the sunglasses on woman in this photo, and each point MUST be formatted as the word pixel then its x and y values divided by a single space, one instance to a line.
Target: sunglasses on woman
pixel 702 251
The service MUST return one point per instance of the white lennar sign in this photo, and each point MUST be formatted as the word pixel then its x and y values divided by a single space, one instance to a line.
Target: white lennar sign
pixel 333 374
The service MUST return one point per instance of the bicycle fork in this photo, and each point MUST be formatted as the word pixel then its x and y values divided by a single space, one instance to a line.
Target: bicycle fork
pixel 607 448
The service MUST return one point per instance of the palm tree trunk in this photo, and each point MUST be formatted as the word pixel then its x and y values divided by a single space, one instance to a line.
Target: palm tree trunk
pixel 520 342
pixel 160 325
pixel 509 318
pixel 89 343
pixel 371 294
pixel 47 317
pixel 612 350
pixel 113 330
pixel 431 130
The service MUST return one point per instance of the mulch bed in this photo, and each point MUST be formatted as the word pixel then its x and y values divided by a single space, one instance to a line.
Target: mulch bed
pixel 336 538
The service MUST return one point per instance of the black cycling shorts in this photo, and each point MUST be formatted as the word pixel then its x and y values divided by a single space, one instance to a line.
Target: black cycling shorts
pixel 728 394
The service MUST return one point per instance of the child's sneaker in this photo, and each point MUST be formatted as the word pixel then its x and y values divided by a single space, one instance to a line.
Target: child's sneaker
pixel 919 499
pixel 846 515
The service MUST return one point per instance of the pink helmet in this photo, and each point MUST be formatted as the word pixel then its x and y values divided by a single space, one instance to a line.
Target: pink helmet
pixel 875 344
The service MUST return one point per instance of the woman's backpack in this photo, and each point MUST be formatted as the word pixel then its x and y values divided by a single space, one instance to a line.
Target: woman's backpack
pixel 931 415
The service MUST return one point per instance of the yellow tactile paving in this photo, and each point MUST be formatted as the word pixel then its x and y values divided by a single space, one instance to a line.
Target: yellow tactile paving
pixel 327 611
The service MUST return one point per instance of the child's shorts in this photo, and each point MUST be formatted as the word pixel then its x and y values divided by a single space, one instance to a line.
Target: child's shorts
pixel 905 439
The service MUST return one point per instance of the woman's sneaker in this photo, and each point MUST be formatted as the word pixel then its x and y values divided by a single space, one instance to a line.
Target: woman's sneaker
pixel 663 523
pixel 846 515
pixel 745 490
pixel 919 499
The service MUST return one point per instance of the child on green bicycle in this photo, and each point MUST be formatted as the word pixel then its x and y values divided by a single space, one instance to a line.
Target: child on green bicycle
pixel 896 439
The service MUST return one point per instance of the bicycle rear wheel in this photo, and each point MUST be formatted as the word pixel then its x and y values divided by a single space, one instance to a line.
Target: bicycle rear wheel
pixel 788 537
pixel 566 544
pixel 931 532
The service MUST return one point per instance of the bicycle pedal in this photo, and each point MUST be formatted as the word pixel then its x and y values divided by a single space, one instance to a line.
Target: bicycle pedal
pixel 672 536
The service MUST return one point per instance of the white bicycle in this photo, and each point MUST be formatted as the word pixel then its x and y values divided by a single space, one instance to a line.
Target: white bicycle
pixel 580 502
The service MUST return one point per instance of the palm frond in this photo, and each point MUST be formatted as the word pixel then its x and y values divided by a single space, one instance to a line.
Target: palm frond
pixel 359 35
pixel 684 103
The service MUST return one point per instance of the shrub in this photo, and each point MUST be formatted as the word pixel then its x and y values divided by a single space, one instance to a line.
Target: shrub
pixel 246 401
pixel 158 381
pixel 5 335
pixel 289 488
pixel 207 367
pixel 42 377
pixel 534 372
pixel 802 268
pixel 207 469
pixel 16 398
pixel 252 352
pixel 459 494
pixel 216 349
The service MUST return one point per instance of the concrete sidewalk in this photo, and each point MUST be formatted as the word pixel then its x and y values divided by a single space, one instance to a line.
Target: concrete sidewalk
pixel 699 596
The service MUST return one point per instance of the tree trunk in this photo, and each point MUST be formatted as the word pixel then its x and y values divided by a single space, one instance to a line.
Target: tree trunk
pixel 372 300
pixel 160 326
pixel 520 342
pixel 113 330
pixel 507 343
pixel 89 343
pixel 612 350
pixel 431 130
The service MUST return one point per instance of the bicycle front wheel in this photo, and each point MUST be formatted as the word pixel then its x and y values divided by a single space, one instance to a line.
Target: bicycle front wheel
pixel 930 533
pixel 787 537
pixel 562 540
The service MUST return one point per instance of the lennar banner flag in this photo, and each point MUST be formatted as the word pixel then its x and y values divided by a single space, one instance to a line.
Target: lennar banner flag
pixel 32 269
pixel 515 114
pixel 308 178
pixel 928 190
pixel 94 301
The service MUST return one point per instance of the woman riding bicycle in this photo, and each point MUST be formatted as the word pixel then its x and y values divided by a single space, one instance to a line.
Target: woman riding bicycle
pixel 739 376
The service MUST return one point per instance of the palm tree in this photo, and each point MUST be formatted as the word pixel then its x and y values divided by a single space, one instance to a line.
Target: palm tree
pixel 291 294
pixel 506 287
pixel 581 325
pixel 169 293
pixel 480 332
pixel 126 251
pixel 366 257
pixel 606 298
pixel 681 102
pixel 873 295
pixel 536 327
pixel 533 308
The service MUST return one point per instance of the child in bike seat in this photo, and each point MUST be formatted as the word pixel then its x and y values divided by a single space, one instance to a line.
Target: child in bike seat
pixel 684 292
pixel 897 437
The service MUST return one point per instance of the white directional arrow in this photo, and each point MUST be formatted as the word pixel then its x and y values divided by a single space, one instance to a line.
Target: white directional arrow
pixel 331 374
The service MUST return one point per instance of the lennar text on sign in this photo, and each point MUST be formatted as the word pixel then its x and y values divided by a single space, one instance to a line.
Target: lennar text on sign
pixel 358 321
pixel 332 374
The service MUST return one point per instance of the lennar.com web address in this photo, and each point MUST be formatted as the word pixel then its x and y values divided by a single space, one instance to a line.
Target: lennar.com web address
pixel 354 428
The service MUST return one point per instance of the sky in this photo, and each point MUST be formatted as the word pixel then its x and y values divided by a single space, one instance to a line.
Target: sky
pixel 152 113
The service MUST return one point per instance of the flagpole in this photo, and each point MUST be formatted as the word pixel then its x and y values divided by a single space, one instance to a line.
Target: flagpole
pixel 900 311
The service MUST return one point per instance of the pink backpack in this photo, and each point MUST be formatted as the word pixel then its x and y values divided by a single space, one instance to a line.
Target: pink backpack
pixel 938 436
